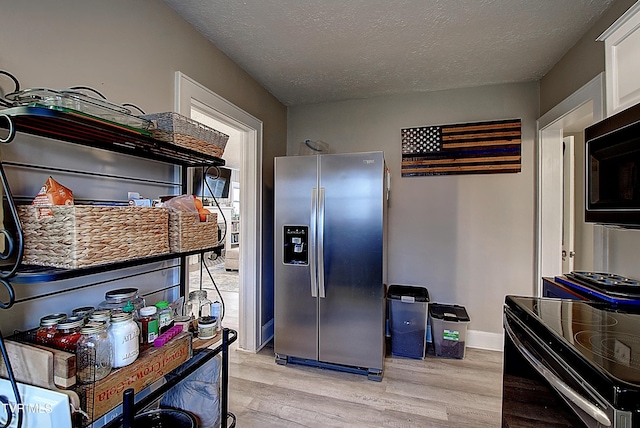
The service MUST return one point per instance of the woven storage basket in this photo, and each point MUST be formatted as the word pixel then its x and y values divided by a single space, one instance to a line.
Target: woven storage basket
pixel 82 235
pixel 188 233
pixel 185 132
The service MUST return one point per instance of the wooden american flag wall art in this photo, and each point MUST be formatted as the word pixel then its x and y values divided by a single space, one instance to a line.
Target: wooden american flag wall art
pixel 468 148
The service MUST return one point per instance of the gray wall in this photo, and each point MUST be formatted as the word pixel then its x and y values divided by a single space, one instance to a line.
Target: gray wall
pixel 583 62
pixel 468 239
pixel 130 50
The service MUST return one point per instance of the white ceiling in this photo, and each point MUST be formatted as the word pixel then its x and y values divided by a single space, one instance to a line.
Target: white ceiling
pixel 306 52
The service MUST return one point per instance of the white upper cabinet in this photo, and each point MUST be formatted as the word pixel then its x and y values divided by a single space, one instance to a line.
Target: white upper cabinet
pixel 622 66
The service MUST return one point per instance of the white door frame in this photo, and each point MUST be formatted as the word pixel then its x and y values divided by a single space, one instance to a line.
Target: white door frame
pixel 549 180
pixel 187 93
pixel 568 202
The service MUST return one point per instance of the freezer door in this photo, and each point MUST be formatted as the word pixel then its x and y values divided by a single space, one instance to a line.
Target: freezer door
pixel 296 311
pixel 350 242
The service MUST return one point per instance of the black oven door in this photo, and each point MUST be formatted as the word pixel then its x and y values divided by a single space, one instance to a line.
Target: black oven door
pixel 613 169
pixel 540 390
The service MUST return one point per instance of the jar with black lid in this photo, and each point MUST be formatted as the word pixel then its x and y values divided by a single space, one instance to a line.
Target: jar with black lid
pixel 84 311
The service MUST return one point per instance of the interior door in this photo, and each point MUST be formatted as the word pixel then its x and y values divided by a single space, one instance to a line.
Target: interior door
pixel 568 204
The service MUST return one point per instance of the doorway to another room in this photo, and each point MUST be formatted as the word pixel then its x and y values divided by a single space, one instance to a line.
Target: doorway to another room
pixel 242 251
pixel 564 240
pixel 220 273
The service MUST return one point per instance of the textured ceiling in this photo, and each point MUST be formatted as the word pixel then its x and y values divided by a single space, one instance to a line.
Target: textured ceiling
pixel 306 52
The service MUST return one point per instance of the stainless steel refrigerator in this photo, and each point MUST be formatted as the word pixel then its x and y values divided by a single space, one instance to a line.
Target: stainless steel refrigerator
pixel 330 261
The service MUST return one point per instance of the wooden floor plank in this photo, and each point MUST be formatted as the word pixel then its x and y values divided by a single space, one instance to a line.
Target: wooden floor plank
pixel 433 392
pixel 427 393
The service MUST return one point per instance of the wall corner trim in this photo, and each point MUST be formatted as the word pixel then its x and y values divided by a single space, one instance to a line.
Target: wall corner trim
pixel 619 22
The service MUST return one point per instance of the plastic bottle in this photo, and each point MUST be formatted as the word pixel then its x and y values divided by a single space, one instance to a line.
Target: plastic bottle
pixel 165 316
pixel 149 323
pixel 216 309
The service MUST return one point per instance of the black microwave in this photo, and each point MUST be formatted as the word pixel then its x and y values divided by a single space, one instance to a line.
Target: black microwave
pixel 613 170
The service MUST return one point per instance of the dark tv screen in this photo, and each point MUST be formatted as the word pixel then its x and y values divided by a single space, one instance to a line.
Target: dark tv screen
pixel 216 184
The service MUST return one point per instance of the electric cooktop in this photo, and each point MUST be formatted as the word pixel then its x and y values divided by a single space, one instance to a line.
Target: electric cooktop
pixel 608 287
pixel 600 342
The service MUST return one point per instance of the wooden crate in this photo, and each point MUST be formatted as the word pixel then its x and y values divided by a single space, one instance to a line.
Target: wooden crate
pixel 188 233
pixel 85 235
pixel 26 361
pixel 151 365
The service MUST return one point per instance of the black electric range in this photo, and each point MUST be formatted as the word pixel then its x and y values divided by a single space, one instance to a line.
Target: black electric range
pixel 608 287
pixel 570 363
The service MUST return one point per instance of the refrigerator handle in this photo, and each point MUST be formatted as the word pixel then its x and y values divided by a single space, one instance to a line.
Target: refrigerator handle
pixel 321 290
pixel 312 242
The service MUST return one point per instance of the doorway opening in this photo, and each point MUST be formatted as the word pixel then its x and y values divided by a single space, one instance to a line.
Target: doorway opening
pixel 193 98
pixel 219 274
pixel 567 119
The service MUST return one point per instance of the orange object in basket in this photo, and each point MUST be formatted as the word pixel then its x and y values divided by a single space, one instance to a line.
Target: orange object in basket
pixel 204 213
pixel 53 193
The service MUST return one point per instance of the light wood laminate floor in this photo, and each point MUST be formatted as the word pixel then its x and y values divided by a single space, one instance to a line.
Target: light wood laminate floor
pixel 434 392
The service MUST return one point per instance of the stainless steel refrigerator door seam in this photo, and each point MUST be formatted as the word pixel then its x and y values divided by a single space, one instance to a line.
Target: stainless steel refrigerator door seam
pixel 312 238
pixel 321 287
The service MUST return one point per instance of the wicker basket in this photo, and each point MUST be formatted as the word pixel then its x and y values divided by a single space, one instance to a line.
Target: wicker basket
pixel 82 235
pixel 188 233
pixel 184 132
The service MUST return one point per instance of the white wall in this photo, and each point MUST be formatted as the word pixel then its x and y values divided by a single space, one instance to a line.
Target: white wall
pixel 468 239
pixel 623 250
pixel 130 51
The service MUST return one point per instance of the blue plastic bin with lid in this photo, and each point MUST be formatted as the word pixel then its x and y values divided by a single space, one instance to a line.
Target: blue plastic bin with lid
pixel 408 309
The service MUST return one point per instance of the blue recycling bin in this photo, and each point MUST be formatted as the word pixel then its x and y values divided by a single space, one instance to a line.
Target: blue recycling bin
pixel 408 310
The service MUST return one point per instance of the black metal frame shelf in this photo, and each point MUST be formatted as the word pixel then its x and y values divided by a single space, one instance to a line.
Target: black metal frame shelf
pixel 90 131
pixel 27 274
pixel 78 128
pixel 201 356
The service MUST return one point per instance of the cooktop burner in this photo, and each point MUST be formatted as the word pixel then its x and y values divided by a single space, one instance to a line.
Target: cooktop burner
pixel 607 338
pixel 606 286
pixel 611 280
pixel 550 312
pixel 616 350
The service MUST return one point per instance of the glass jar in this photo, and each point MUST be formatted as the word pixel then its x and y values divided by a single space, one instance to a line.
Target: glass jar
pixel 84 311
pixel 198 305
pixel 149 323
pixel 124 337
pixel 101 316
pixel 93 353
pixel 165 316
pixel 206 327
pixel 68 334
pixel 183 321
pixel 115 300
pixel 48 328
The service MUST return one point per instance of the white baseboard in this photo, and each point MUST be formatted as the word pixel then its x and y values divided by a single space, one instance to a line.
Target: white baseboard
pixel 485 340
